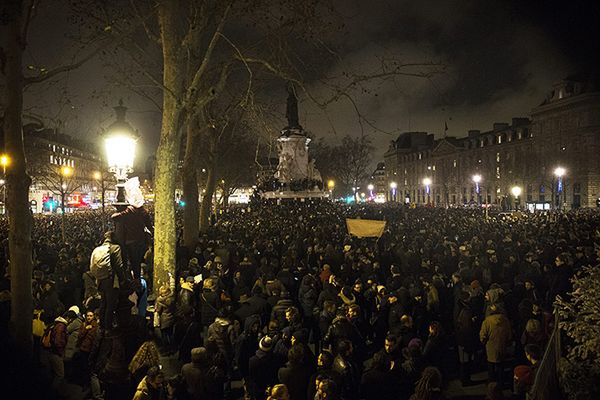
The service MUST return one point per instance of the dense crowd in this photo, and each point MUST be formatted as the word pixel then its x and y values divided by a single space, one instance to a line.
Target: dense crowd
pixel 282 299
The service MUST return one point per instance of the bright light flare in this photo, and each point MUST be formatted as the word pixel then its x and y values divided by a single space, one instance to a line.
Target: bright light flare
pixel 120 150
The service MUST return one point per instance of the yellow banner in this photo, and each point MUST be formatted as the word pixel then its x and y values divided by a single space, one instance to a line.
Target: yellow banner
pixel 365 227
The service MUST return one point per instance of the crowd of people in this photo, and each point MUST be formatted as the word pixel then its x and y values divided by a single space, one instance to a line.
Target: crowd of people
pixel 280 300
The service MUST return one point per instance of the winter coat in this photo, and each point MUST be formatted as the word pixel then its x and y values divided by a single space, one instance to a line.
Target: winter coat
pixel 72 338
pixel 146 392
pixel 222 332
pixel 308 294
pixel 165 307
pixel 376 384
pixel 59 336
pixel 496 335
pixel 87 337
pixel 246 344
pixel 209 307
pixel 185 302
pixel 295 378
pixel 262 372
pixel 465 330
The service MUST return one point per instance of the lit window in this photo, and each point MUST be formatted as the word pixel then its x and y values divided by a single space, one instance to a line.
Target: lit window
pixel 497 157
pixel 419 156
pixel 499 139
pixel 429 167
pixel 51 159
pixel 433 167
pixel 454 163
pixel 497 172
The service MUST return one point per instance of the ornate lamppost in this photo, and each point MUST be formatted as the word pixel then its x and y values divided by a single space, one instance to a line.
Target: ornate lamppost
pixel 559 172
pixel 427 184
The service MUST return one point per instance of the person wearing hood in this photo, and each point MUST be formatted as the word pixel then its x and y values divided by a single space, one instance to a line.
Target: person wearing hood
pixel 247 344
pixel 131 225
pixel 496 335
pixel 262 369
pixel 73 325
pixel 165 308
pixel 56 352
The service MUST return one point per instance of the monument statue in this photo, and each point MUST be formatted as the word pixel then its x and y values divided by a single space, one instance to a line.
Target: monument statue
pixel 292 107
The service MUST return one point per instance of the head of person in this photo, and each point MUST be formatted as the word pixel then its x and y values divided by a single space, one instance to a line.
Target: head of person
pixel 326 390
pixel 406 321
pixel 154 377
pixel 435 328
pixel 296 355
pixel 279 392
pixel 325 360
pixel 533 352
pixel 344 348
pixel 390 344
pixel 90 317
pixel 292 314
pixel 380 362
pixel 353 311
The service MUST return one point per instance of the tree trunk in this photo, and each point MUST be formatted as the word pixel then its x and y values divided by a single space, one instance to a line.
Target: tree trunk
pixel 19 213
pixel 191 211
pixel 211 182
pixel 167 154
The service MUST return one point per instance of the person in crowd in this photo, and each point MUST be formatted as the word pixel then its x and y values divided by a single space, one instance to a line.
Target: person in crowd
pixel 496 334
pixel 429 386
pixel 433 281
pixel 151 387
pixel 165 309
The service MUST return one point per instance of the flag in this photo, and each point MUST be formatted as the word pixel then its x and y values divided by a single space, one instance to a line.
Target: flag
pixel 365 227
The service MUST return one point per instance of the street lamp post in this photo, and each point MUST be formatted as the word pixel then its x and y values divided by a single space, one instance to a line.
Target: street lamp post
pixel 477 181
pixel 4 161
pixel 516 192
pixel 427 183
pixel 65 172
pixel 393 186
pixel 99 177
pixel 370 187
pixel 331 186
pixel 559 172
pixel 120 142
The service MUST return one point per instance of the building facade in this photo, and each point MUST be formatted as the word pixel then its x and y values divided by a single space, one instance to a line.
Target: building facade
pixel 563 132
pixel 48 154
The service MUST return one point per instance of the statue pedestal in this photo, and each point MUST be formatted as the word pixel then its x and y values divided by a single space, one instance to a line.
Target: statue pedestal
pixel 292 148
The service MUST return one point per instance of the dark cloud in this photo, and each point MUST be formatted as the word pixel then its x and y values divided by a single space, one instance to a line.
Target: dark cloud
pixel 501 58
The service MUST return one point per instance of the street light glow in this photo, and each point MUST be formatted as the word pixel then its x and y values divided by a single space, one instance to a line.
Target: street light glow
pixel 477 178
pixel 4 160
pixel 97 175
pixel 426 181
pixel 66 171
pixel 120 150
pixel 331 184
pixel 393 185
pixel 559 171
pixel 516 191
pixel 370 187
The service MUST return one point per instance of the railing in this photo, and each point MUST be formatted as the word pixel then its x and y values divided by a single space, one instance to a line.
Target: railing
pixel 545 386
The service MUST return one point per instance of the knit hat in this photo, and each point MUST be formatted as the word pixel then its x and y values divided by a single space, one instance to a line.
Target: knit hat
pixel 75 309
pixel 266 343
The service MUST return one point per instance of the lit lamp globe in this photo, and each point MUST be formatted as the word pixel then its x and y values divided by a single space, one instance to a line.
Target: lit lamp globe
pixel 427 181
pixel 393 185
pixel 516 191
pixel 477 178
pixel 120 140
pixel 331 184
pixel 560 172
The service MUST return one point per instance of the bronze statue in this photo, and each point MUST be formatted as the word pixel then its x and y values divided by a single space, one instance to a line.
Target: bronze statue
pixel 292 107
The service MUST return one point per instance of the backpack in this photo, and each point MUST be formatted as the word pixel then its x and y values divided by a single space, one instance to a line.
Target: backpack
pixel 38 326
pixel 47 338
pixel 100 262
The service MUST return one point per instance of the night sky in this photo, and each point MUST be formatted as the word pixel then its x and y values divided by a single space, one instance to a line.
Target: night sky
pixel 501 59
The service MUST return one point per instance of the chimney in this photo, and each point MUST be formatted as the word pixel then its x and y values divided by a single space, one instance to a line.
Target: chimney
pixel 498 126
pixel 519 122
